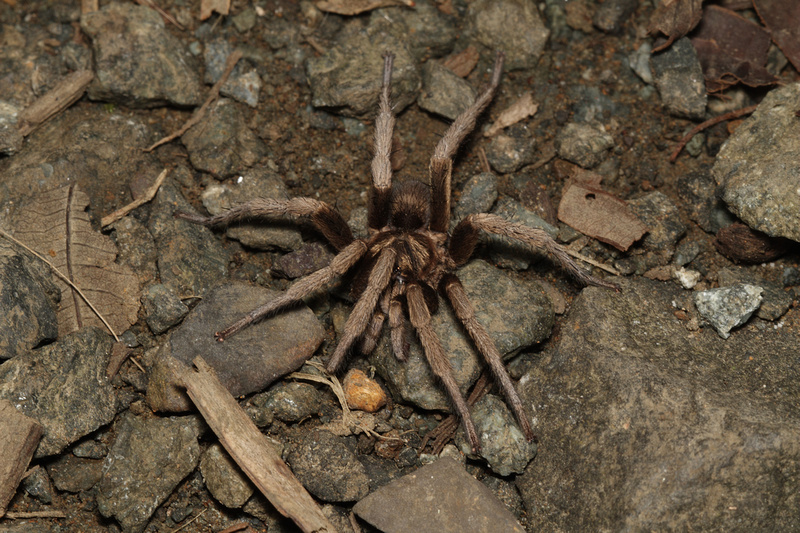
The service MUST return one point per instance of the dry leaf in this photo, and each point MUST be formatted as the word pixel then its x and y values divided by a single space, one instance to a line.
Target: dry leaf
pixel 675 18
pixel 208 6
pixel 731 49
pixel 782 18
pixel 522 108
pixel 463 62
pixel 55 224
pixel 354 7
pixel 600 215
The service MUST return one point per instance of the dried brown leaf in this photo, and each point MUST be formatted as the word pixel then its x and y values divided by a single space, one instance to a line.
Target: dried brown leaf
pixel 208 6
pixel 731 49
pixel 782 18
pixel 354 7
pixel 463 62
pixel 675 18
pixel 522 108
pixel 55 224
pixel 600 215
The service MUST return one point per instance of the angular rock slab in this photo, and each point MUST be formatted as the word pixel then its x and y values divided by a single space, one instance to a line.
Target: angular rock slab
pixel 247 361
pixel 138 63
pixel 439 497
pixel 64 387
pixel 647 425
pixel 758 167
pixel 148 460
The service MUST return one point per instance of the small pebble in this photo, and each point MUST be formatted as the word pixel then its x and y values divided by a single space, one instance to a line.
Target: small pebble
pixel 362 392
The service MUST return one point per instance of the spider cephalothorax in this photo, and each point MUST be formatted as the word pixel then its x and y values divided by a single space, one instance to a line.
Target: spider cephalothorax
pixel 408 258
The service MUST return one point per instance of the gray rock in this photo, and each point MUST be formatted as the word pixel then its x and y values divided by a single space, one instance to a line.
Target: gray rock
pixel 512 26
pixel 327 468
pixel 221 143
pixel 37 483
pixel 775 300
pixel 758 167
pixel 138 63
pixel 27 309
pixel 64 387
pixel 163 309
pixel 90 449
pixel 663 221
pixel 434 32
pixel 646 425
pixel 510 253
pixel 511 150
pixel 190 258
pixel 679 78
pixel 74 474
pixel 243 84
pixel 728 307
pixel 10 137
pixel 610 16
pixel 289 402
pixel 246 362
pixel 433 499
pixel 443 92
pixel 148 460
pixel 348 77
pixel 223 478
pixel 515 315
pixel 477 196
pixel 505 491
pixel 137 248
pixel 583 144
pixel 697 191
pixel 639 61
pixel 258 182
pixel 503 445
pixel 309 258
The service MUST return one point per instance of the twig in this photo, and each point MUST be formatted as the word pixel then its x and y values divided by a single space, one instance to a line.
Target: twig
pixel 148 195
pixel 37 514
pixel 241 526
pixel 198 515
pixel 483 159
pixel 707 124
pixel 251 450
pixel 601 266
pixel 65 279
pixel 166 16
pixel 234 58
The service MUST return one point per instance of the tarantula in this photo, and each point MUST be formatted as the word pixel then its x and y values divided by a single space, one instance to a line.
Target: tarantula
pixel 408 259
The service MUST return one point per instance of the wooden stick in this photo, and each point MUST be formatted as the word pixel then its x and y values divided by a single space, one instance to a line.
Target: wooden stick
pixel 234 58
pixel 251 450
pixel 19 437
pixel 65 93
pixel 37 514
pixel 148 195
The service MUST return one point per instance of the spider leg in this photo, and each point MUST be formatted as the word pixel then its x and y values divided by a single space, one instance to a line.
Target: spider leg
pixel 440 365
pixel 378 206
pixel 327 220
pixel 301 288
pixel 397 325
pixel 466 314
pixel 465 237
pixel 379 279
pixel 441 165
pixel 370 339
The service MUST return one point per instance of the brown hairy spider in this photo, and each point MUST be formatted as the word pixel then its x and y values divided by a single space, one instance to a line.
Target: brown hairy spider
pixel 408 258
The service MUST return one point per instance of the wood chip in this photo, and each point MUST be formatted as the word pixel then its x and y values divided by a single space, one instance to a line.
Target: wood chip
pixel 463 62
pixel 600 215
pixel 521 109
pixel 65 93
pixel 209 6
pixel 251 450
pixel 19 437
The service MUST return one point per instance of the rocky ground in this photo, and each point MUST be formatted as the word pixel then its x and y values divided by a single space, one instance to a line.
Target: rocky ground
pixel 669 405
